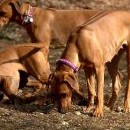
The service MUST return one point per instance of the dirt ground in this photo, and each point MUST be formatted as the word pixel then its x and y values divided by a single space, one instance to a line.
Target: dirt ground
pixel 38 115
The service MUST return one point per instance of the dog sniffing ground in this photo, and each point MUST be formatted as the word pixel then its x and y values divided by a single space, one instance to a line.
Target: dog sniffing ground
pixel 42 115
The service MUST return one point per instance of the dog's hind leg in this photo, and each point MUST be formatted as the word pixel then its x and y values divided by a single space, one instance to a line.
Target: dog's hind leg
pixel 127 93
pixel 116 78
pixel 10 85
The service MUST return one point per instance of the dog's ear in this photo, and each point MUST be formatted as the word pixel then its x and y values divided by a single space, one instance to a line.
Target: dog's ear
pixel 72 80
pixel 17 5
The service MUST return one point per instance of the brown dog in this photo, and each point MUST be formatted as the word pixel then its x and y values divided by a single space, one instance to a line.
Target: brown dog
pixel 28 58
pixel 91 46
pixel 47 25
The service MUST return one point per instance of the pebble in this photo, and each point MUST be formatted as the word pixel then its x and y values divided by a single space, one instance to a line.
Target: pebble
pixel 119 109
pixel 64 123
pixel 78 113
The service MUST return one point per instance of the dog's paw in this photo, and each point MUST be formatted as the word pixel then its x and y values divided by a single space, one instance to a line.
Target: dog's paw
pixel 126 106
pixel 98 112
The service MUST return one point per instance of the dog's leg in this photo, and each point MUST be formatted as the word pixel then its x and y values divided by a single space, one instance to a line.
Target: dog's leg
pixel 100 83
pixel 90 77
pixel 127 93
pixel 116 78
pixel 10 87
pixel 40 68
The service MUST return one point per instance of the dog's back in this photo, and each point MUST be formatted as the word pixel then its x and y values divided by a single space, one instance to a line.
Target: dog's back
pixel 15 55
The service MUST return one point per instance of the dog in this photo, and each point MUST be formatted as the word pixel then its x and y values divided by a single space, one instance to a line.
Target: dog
pixel 91 46
pixel 43 25
pixel 27 58
pixel 49 25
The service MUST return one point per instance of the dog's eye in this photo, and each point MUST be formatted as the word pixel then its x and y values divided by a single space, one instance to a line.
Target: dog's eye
pixel 2 14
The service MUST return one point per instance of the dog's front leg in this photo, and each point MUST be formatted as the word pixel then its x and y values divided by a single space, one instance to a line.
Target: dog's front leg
pixel 90 77
pixel 100 83
pixel 116 78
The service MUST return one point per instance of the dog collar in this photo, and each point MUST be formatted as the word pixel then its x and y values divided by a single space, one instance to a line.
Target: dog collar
pixel 30 12
pixel 64 61
pixel 28 18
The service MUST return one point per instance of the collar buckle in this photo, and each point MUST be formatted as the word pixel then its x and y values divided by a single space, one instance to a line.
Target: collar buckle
pixel 28 18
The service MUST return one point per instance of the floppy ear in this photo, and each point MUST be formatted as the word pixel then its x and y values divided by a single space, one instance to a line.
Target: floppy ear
pixel 17 5
pixel 72 80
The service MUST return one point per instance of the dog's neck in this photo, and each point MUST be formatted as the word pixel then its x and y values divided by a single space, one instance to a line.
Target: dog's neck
pixel 25 14
pixel 69 60
pixel 28 18
pixel 66 66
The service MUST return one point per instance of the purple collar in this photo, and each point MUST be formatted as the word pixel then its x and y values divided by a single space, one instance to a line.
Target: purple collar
pixel 75 68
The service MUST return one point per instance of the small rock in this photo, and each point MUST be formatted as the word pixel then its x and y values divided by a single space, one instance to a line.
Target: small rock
pixel 119 109
pixel 62 116
pixel 78 113
pixel 106 108
pixel 64 123
pixel 41 113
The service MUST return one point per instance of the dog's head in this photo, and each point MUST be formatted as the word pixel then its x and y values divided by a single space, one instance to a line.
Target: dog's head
pixel 64 84
pixel 12 10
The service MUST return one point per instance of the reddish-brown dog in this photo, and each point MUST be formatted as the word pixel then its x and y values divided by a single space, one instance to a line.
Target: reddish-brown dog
pixel 90 47
pixel 47 25
pixel 43 25
pixel 28 58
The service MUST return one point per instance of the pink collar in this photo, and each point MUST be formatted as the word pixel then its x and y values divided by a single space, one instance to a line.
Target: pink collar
pixel 28 18
pixel 30 12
